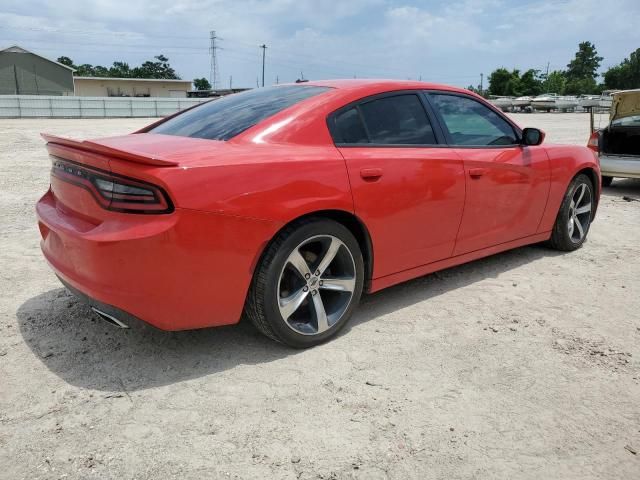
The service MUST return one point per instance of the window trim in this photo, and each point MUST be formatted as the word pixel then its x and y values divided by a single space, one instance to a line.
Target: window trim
pixel 433 121
pixel 427 93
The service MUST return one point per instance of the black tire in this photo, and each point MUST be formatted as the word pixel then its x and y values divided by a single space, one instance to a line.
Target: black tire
pixel 561 237
pixel 606 181
pixel 262 306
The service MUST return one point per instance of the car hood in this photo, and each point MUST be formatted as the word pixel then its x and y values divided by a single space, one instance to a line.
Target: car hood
pixel 626 103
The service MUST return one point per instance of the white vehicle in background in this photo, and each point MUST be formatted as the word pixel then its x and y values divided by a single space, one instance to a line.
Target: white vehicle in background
pixel 618 144
pixel 502 102
pixel 552 101
pixel 522 103
pixel 606 99
pixel 546 102
pixel 589 101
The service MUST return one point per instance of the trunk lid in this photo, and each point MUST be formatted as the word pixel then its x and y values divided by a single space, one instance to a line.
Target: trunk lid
pixel 626 103
pixel 88 177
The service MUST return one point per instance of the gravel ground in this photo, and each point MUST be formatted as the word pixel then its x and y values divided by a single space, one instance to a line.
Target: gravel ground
pixel 522 365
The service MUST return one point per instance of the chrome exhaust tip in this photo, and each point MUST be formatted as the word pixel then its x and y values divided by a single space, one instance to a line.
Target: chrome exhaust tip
pixel 110 318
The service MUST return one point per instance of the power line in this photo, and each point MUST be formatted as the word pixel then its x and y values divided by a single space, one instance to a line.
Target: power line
pixel 282 58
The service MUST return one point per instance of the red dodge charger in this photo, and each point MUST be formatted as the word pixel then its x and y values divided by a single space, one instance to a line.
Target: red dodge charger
pixel 284 204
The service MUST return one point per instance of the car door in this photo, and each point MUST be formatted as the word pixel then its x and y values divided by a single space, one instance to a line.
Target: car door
pixel 507 183
pixel 408 188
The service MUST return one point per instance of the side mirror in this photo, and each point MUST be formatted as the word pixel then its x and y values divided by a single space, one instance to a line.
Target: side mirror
pixel 532 136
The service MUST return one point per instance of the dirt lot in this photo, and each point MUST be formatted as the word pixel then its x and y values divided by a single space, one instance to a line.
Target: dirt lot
pixel 521 365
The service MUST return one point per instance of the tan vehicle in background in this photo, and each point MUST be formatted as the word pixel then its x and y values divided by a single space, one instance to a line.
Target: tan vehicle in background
pixel 618 144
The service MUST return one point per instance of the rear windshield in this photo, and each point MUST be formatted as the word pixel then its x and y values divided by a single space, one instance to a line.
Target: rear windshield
pixel 227 117
pixel 633 121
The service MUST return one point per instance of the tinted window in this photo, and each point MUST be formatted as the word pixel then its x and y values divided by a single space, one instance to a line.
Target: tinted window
pixel 471 123
pixel 227 117
pixel 633 121
pixel 397 120
pixel 350 128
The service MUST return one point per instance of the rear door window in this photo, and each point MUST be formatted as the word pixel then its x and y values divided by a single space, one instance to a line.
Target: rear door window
pixel 351 128
pixel 392 120
pixel 227 117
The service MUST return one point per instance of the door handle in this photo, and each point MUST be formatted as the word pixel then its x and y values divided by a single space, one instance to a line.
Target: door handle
pixel 371 174
pixel 477 172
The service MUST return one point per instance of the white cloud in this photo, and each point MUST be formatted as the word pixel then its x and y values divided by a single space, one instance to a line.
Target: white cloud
pixel 449 42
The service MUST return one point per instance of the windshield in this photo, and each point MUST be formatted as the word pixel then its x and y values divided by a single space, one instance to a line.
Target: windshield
pixel 227 117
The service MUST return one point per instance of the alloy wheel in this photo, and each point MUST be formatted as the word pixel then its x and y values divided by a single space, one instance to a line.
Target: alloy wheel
pixel 579 213
pixel 316 284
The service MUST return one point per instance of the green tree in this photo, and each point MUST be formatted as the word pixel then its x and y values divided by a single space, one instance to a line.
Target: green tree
pixel 120 70
pixel 555 82
pixel 626 75
pixel 498 81
pixel 158 69
pixel 66 61
pixel 581 86
pixel 511 83
pixel 513 87
pixel 583 69
pixel 201 84
pixel 100 71
pixel 84 70
pixel 531 83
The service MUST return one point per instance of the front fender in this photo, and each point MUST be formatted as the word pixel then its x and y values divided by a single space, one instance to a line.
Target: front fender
pixel 566 162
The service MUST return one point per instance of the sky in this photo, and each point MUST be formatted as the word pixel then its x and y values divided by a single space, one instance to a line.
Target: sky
pixel 439 41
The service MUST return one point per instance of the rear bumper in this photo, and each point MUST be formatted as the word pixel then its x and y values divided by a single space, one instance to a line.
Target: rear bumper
pixel 184 270
pixel 128 320
pixel 626 166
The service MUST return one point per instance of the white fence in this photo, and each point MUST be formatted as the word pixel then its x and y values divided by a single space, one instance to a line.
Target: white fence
pixel 31 106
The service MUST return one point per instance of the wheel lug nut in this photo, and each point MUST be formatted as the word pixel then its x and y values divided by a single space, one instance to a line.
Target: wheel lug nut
pixel 313 292
pixel 305 289
pixel 317 273
pixel 321 282
pixel 307 276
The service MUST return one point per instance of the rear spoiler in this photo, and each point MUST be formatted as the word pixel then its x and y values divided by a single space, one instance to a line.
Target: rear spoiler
pixel 105 149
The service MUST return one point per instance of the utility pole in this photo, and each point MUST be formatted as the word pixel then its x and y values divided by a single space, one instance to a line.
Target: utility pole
pixel 481 82
pixel 277 79
pixel 230 82
pixel 214 74
pixel 264 51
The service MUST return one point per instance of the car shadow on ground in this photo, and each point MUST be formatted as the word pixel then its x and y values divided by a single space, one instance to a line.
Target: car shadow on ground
pixel 89 353
pixel 623 187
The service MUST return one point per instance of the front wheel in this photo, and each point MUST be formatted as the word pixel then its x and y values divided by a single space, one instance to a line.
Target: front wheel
pixel 574 217
pixel 308 283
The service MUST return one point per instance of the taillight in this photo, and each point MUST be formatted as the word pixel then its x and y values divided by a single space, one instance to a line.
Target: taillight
pixel 114 192
pixel 593 143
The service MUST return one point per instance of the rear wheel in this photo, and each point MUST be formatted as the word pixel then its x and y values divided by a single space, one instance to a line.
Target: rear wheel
pixel 308 283
pixel 606 181
pixel 574 218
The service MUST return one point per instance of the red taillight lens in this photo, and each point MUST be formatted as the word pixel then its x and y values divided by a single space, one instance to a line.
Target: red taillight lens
pixel 114 192
pixel 594 142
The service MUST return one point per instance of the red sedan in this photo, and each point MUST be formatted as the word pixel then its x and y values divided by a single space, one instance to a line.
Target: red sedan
pixel 284 204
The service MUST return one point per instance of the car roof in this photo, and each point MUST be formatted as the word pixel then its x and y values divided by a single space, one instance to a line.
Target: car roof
pixel 340 93
pixel 379 84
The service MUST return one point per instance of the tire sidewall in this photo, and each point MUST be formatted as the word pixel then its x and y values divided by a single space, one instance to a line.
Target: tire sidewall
pixel 563 219
pixel 270 300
